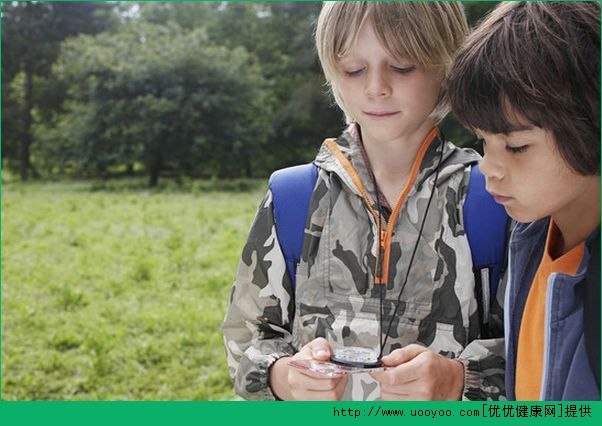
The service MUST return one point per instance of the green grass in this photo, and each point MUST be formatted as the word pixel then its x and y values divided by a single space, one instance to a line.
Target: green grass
pixel 114 292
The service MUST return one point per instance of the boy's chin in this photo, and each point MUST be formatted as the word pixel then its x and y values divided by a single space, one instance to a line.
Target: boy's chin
pixel 521 216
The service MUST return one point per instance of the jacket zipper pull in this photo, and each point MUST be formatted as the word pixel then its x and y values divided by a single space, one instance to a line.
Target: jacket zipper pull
pixel 379 276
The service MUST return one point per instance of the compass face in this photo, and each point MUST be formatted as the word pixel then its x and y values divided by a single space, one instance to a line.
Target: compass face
pixel 356 356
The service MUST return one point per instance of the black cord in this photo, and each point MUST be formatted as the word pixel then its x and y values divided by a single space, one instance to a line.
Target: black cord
pixel 383 343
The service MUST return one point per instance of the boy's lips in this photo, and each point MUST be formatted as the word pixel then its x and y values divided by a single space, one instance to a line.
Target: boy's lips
pixel 380 114
pixel 500 199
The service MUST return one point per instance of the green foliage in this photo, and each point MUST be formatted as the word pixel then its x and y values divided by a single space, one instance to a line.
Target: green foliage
pixel 160 96
pixel 31 37
pixel 118 293
pixel 306 114
pixel 12 105
pixel 32 31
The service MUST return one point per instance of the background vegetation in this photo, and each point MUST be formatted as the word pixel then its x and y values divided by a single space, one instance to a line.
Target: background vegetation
pixel 203 90
pixel 142 134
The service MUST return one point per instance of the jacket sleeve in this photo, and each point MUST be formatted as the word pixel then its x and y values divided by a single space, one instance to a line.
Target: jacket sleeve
pixel 485 359
pixel 257 326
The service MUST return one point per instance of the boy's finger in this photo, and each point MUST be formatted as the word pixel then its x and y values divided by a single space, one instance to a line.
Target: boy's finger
pixel 399 356
pixel 402 374
pixel 320 349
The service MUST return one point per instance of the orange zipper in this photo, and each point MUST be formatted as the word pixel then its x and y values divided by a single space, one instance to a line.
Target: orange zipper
pixel 386 235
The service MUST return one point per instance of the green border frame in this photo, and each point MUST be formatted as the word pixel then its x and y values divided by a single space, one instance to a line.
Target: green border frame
pixel 300 413
pixel 291 413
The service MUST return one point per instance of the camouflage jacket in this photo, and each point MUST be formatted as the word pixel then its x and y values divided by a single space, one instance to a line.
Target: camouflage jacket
pixel 335 297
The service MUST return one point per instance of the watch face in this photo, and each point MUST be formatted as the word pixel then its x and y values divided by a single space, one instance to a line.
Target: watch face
pixel 356 357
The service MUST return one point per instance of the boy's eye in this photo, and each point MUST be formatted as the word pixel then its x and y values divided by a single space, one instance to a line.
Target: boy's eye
pixel 403 70
pixel 353 72
pixel 517 149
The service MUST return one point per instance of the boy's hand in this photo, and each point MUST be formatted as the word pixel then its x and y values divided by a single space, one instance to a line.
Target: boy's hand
pixel 291 383
pixel 420 374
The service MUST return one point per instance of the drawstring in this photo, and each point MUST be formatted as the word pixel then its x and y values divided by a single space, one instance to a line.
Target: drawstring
pixel 383 288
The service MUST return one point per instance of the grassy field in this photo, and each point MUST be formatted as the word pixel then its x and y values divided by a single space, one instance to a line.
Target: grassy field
pixel 114 292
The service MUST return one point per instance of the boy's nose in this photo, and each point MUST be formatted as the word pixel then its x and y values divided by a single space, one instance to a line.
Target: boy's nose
pixel 490 167
pixel 377 85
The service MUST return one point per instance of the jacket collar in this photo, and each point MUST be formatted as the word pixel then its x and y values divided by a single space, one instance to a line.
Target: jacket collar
pixel 349 145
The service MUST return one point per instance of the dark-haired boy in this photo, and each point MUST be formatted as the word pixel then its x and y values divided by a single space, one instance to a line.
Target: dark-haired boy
pixel 528 82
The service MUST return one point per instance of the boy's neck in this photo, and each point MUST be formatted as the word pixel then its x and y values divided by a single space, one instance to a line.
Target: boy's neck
pixel 577 221
pixel 392 161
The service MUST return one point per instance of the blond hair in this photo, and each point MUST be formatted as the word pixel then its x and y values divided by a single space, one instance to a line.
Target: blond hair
pixel 427 33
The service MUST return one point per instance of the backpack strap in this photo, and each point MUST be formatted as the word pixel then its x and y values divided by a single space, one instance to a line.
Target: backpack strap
pixel 486 225
pixel 292 189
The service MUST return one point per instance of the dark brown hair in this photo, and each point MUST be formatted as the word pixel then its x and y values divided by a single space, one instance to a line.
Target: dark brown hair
pixel 539 61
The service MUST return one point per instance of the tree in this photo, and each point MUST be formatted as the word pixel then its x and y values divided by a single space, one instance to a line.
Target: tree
pixel 31 35
pixel 160 96
pixel 278 36
pixel 111 95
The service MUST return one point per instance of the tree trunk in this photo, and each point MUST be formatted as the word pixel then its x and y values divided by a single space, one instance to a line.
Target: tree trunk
pixel 27 106
pixel 155 169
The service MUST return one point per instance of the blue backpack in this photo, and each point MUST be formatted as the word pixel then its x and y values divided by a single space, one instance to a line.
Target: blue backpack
pixel 485 223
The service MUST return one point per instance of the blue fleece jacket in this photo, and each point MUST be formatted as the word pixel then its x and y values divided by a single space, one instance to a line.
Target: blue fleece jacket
pixel 567 374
